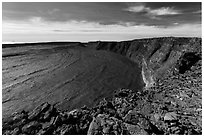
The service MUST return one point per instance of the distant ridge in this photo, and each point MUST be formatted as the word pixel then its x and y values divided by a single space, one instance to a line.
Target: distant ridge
pixel 36 43
pixel 14 44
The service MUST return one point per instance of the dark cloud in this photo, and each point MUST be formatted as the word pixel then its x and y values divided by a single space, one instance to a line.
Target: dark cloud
pixel 104 13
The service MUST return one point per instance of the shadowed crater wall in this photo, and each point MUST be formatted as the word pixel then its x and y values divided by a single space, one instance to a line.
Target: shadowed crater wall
pixel 155 55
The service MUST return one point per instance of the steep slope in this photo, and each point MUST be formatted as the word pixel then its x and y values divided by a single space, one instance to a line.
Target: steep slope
pixel 160 54
pixel 67 76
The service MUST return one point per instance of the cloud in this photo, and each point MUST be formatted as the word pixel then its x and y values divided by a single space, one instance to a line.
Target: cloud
pixel 36 20
pixel 153 12
pixel 164 11
pixel 36 29
pixel 140 8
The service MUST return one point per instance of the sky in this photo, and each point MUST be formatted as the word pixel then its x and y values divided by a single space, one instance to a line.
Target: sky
pixel 93 21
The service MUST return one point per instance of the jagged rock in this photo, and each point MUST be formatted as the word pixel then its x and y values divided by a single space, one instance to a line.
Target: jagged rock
pixel 35 113
pixel 94 128
pixel 175 130
pixel 49 113
pixel 11 125
pixel 171 116
pixel 68 130
pixel 122 93
pixel 63 118
pixel 186 61
pixel 157 117
pixel 106 107
pixel 102 125
pixel 31 127
pixel 52 120
pixel 57 121
pixel 84 123
pixel 47 116
pixel 21 123
pixel 132 117
pixel 45 107
pixel 19 116
pixel 122 106
pixel 41 132
pixel 16 131
pixel 8 132
pixel 145 124
pixel 135 129
pixel 46 125
pixel 76 113
pixel 48 131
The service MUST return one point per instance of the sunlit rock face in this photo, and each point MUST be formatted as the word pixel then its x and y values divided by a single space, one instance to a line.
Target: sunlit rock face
pixel 147 75
pixel 67 76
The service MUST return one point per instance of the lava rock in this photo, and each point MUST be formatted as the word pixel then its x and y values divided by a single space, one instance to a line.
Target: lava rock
pixel 132 117
pixel 76 113
pixel 19 116
pixel 57 121
pixel 102 125
pixel 48 131
pixel 68 130
pixel 157 117
pixel 122 92
pixel 171 116
pixel 34 114
pixel 31 127
pixel 16 131
pixel 45 107
pixel 46 125
pixel 135 129
pixel 8 132
pixel 94 128
pixel 52 120
pixel 49 113
pixel 187 60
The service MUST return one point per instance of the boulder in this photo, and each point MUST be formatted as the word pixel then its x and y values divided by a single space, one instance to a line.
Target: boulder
pixel 171 116
pixel 135 129
pixel 31 127
pixel 132 117
pixel 105 125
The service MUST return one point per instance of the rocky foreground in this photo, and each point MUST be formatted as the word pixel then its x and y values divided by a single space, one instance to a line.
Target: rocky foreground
pixel 172 106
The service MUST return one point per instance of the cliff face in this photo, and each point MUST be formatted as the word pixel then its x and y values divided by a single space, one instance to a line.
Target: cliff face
pixel 159 54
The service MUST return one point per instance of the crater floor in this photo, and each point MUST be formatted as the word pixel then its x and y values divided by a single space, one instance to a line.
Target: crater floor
pixel 66 76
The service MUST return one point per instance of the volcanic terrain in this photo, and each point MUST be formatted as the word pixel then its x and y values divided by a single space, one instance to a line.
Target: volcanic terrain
pixel 144 86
